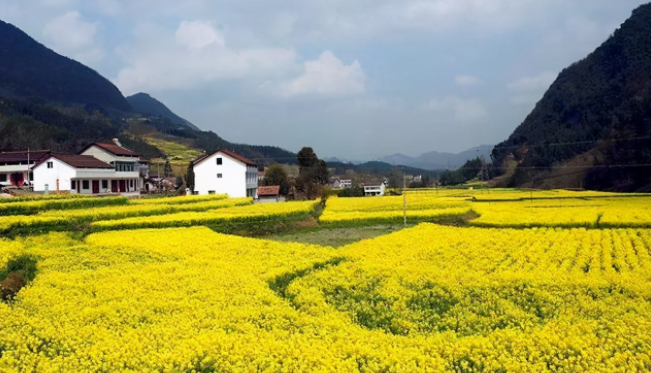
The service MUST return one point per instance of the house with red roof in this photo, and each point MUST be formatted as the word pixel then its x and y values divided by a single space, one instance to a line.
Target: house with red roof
pixel 129 167
pixel 79 174
pixel 225 172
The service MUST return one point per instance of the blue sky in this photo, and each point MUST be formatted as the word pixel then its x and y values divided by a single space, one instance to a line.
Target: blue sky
pixel 354 79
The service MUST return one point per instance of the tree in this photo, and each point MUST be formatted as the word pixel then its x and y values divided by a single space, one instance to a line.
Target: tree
pixel 312 175
pixel 395 179
pixel 189 177
pixel 276 175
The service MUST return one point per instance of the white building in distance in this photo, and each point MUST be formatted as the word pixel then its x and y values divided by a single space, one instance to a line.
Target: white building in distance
pixel 225 172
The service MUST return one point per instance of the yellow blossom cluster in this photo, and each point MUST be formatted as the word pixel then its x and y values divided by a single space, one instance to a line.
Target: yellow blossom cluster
pixel 425 299
pixel 258 213
pixel 583 212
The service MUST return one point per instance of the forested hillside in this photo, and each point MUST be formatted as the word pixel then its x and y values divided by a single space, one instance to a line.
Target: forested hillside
pixel 598 110
pixel 29 69
pixel 151 107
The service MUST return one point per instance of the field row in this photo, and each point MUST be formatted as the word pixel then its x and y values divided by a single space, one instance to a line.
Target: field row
pixel 429 298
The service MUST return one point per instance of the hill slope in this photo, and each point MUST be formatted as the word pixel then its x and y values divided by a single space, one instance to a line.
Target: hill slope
pixel 600 105
pixel 145 104
pixel 29 69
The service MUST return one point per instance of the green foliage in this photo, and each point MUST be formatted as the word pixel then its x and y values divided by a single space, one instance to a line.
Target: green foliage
pixel 276 175
pixel 467 172
pixel 189 177
pixel 313 174
pixel 25 264
pixel 36 124
pixel 140 146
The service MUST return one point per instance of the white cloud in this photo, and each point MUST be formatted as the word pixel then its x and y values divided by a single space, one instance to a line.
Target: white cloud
pixel 460 109
pixel 198 35
pixel 199 56
pixel 467 80
pixel 328 76
pixel 533 83
pixel 72 36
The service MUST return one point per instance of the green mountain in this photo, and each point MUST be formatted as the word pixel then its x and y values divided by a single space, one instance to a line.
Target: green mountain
pixel 151 107
pixel 29 69
pixel 592 128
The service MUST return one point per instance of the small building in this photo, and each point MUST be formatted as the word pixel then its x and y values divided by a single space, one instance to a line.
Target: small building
pixel 225 172
pixel 15 165
pixel 268 194
pixel 374 187
pixel 80 174
pixel 126 163
pixel 345 183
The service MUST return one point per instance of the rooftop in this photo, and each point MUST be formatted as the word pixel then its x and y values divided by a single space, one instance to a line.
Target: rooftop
pixel 113 149
pixel 77 161
pixel 268 191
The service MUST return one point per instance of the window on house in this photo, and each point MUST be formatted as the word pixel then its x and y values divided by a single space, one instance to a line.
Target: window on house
pixel 50 165
pixel 219 161
pixel 85 184
pixel 219 176
pixel 211 192
pixel 3 177
pixel 73 185
pixel 104 184
pixel 131 183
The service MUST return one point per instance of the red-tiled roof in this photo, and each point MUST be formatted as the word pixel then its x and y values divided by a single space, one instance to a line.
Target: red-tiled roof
pixel 112 148
pixel 77 161
pixel 21 156
pixel 268 191
pixel 228 153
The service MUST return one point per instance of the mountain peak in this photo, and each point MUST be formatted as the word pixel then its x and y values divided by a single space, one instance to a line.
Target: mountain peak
pixel 148 105
pixel 29 69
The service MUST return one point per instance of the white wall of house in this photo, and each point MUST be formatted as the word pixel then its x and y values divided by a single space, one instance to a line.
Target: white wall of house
pixel 232 177
pixel 110 158
pixel 60 171
pixel 374 190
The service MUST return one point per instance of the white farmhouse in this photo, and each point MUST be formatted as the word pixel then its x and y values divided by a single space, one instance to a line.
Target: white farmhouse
pixel 125 162
pixel 374 188
pixel 79 174
pixel 225 172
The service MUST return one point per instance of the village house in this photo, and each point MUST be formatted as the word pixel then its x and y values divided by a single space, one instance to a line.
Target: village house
pixel 225 172
pixel 374 187
pixel 268 194
pixel 127 164
pixel 14 166
pixel 80 174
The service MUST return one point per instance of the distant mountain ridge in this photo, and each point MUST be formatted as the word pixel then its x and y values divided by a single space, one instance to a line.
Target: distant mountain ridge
pixel 29 69
pixel 595 117
pixel 147 105
pixel 440 161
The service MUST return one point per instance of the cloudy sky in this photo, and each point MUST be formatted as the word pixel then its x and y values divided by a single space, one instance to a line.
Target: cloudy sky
pixel 357 79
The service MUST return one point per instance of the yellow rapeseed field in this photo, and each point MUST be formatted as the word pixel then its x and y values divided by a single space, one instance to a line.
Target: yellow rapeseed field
pixel 546 281
pixel 429 298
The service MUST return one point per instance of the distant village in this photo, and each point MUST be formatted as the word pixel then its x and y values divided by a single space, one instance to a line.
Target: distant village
pixel 111 169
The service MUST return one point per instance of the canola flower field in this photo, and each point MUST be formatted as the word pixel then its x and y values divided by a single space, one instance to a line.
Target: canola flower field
pixel 512 284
